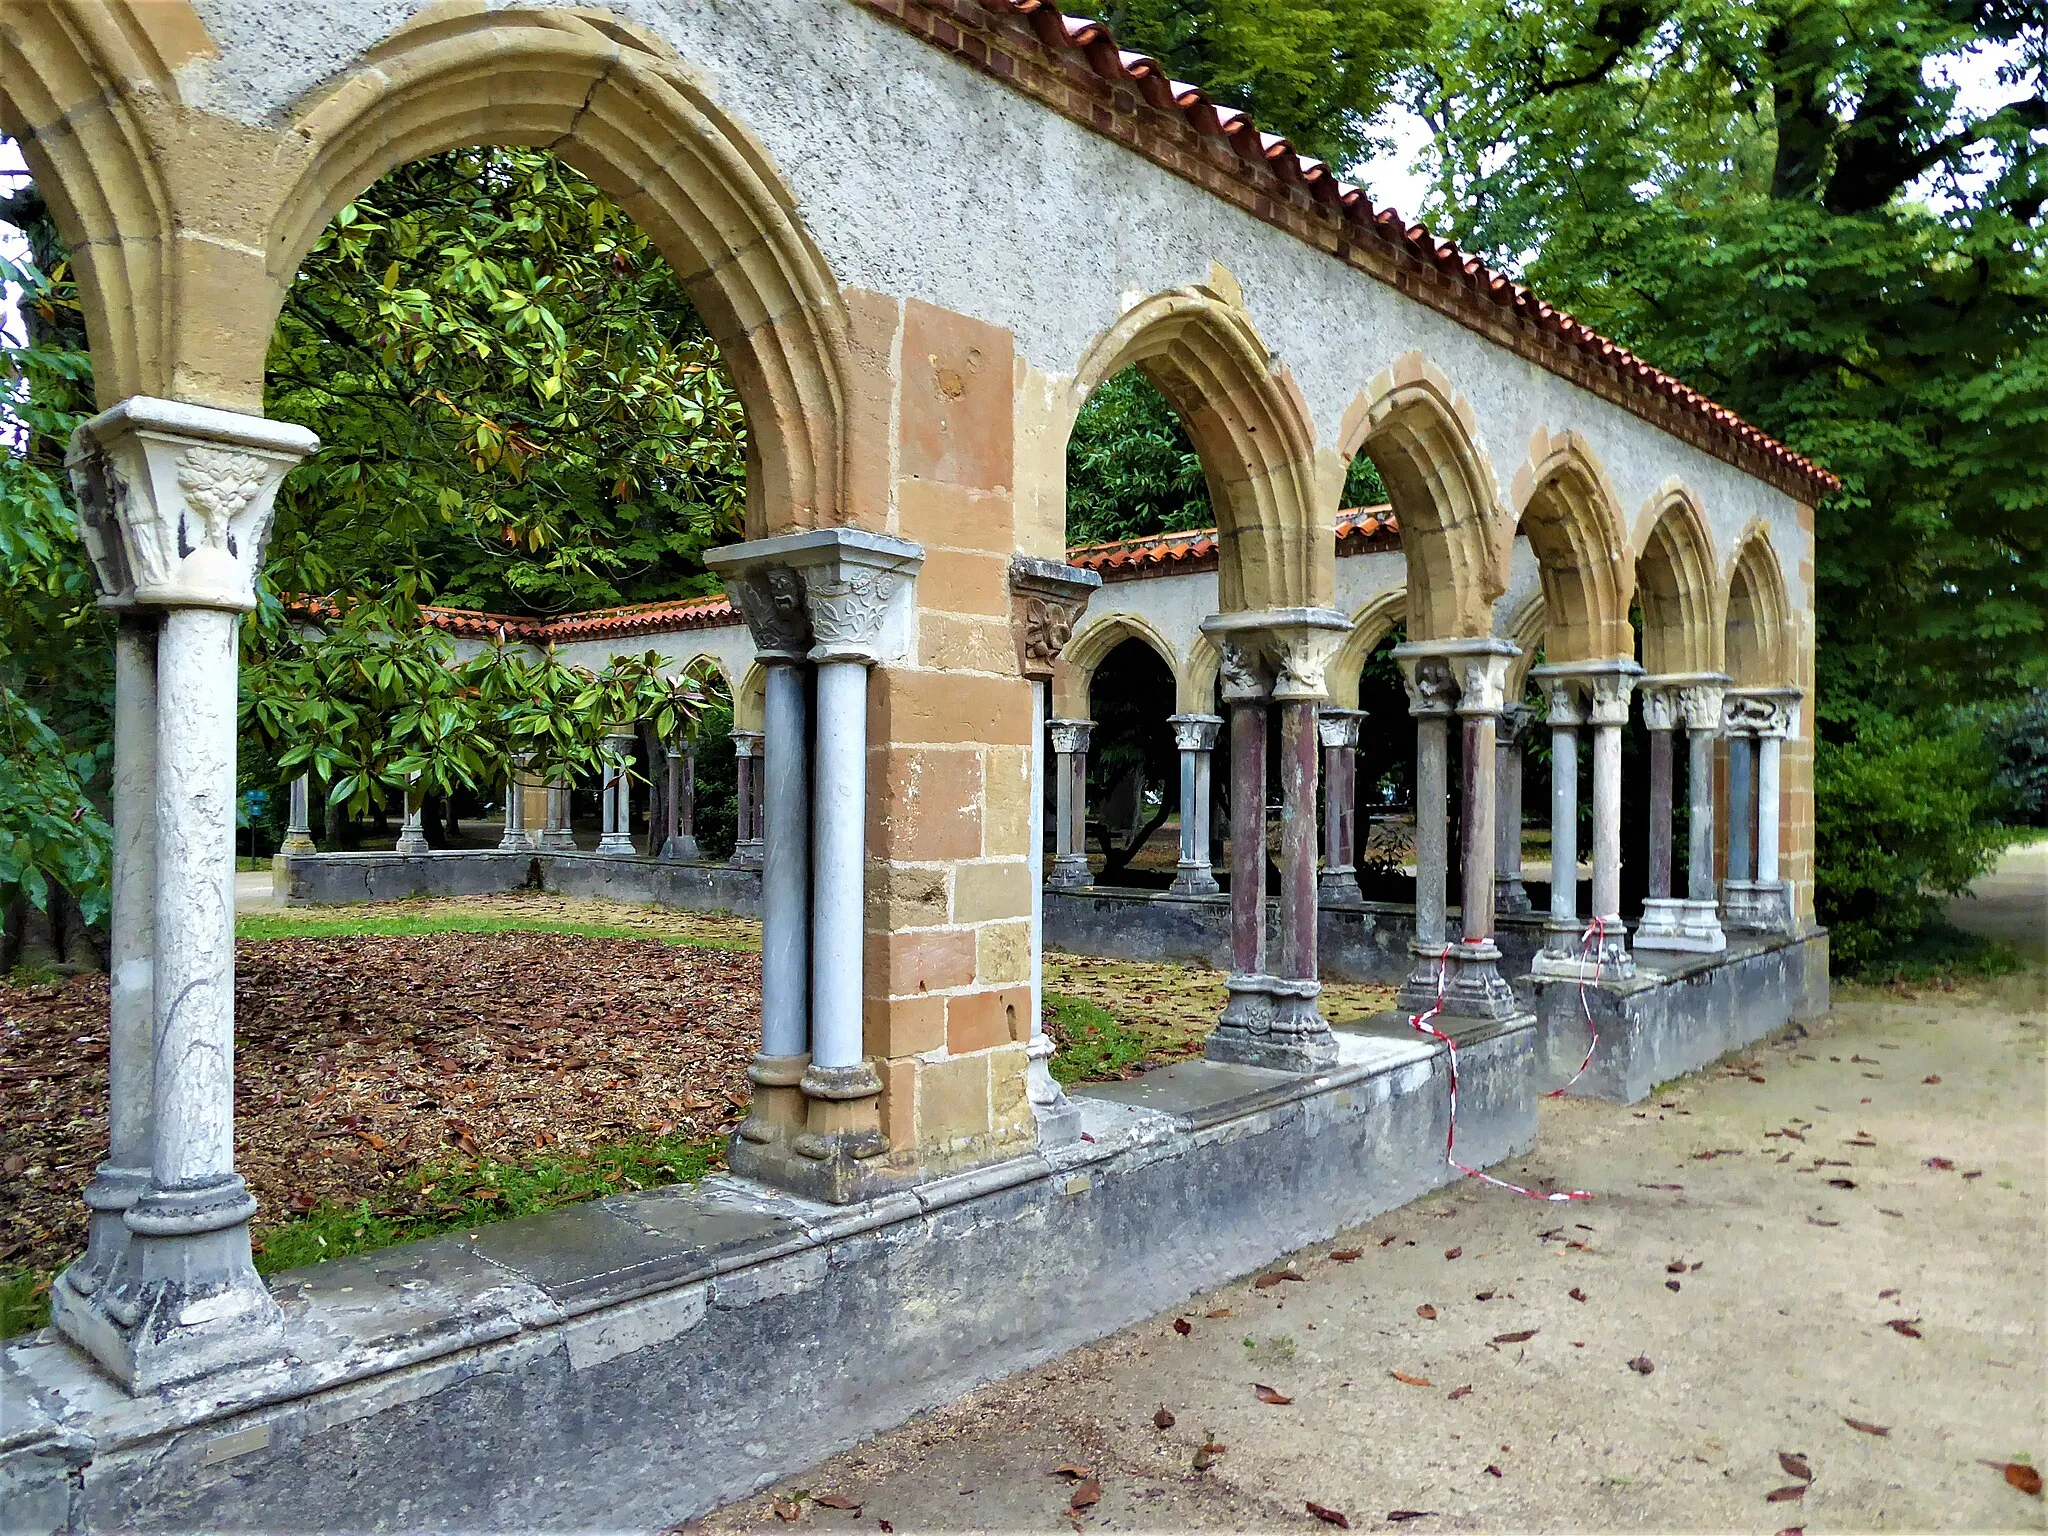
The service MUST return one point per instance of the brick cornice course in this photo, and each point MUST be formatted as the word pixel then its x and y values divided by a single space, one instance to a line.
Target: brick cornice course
pixel 1072 65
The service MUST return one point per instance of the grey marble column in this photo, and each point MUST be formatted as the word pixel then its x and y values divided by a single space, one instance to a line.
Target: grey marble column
pixel 175 506
pixel 298 832
pixel 1563 934
pixel 412 834
pixel 1663 924
pixel 1689 924
pixel 1700 704
pixel 120 1180
pixel 1070 802
pixel 1046 600
pixel 1477 989
pixel 785 1055
pixel 1432 694
pixel 616 796
pixel 1756 898
pixel 1510 895
pixel 1610 710
pixel 1338 729
pixel 1195 737
pixel 681 843
pixel 558 835
pixel 516 838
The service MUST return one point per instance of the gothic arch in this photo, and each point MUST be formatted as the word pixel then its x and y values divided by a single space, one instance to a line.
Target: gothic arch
pixel 622 109
pixel 1091 646
pixel 1676 587
pixel 749 700
pixel 1369 627
pixel 1564 502
pixel 1759 624
pixel 83 91
pixel 1250 426
pixel 1422 436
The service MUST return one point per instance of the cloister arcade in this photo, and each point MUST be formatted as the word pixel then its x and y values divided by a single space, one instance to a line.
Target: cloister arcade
pixel 909 647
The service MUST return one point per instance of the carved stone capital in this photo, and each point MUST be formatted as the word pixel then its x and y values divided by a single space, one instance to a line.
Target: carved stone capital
pixel 175 500
pixel 1195 733
pixel 1466 675
pixel 855 591
pixel 1338 727
pixel 1611 692
pixel 1691 697
pixel 1070 736
pixel 746 743
pixel 1291 647
pixel 1760 711
pixel 1700 704
pixel 1660 705
pixel 1046 600
pixel 1432 686
pixel 1514 722
pixel 1564 700
pixel 1605 685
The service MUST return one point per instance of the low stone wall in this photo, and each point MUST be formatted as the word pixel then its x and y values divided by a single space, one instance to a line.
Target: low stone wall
pixel 627 1364
pixel 337 879
pixel 1664 1023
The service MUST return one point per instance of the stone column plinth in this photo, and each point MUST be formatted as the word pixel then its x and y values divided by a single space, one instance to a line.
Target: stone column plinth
pixel 412 832
pixel 1195 737
pixel 1690 924
pixel 175 506
pixel 1070 802
pixel 852 591
pixel 557 835
pixel 1046 601
pixel 1602 690
pixel 1278 655
pixel 298 832
pixel 1509 894
pixel 1755 898
pixel 681 842
pixel 616 797
pixel 1338 731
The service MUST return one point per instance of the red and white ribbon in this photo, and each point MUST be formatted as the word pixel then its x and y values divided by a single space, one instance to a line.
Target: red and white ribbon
pixel 1422 1023
pixel 1590 948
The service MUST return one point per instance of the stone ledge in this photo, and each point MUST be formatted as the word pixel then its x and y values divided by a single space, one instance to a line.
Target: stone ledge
pixel 628 1363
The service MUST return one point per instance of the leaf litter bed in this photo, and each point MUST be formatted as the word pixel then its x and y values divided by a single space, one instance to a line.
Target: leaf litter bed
pixel 365 1062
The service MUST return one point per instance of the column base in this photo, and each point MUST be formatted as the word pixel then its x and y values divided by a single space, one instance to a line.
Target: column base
pixel 557 840
pixel 836 1156
pixel 1566 956
pixel 1069 870
pixel 618 844
pixel 410 842
pixel 746 854
pixel 779 1108
pixel 1192 880
pixel 516 842
pixel 1339 884
pixel 188 1303
pixel 296 843
pixel 107 1246
pixel 1428 978
pixel 1058 1117
pixel 1510 896
pixel 1475 988
pixel 1673 923
pixel 1272 1021
pixel 1757 906
pixel 682 850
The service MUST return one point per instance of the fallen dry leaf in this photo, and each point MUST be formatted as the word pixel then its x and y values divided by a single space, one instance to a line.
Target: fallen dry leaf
pixel 1904 1325
pixel 1452 1253
pixel 1483 1295
pixel 1086 1495
pixel 1328 1516
pixel 836 1501
pixel 1405 1379
pixel 1458 1392
pixel 1162 1419
pixel 1671 1285
pixel 1388 1242
pixel 1675 1267
pixel 1795 1466
pixel 885 1527
pixel 1205 1458
pixel 1493 1471
pixel 1576 1294
pixel 1426 1312
pixel 1941 1164
pixel 1663 1186
pixel 1932 1077
pixel 1841 1183
pixel 787 1510
pixel 1267 1395
pixel 1642 1365
pixel 2020 1475
pixel 1183 1327
pixel 1521 1337
pixel 1398 1515
pixel 1219 1312
pixel 1346 1255
pixel 1819 1222
pixel 1786 1494
pixel 1867 1427
pixel 1273 1277
pixel 1887 1295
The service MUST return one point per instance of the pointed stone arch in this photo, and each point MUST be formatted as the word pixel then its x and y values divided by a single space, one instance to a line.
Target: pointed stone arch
pixel 1676 585
pixel 1074 674
pixel 1250 426
pixel 84 90
pixel 1758 644
pixel 749 699
pixel 1563 500
pixel 1422 436
pixel 1369 626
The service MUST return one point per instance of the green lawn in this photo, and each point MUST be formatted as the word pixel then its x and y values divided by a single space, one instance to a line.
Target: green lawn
pixel 336 923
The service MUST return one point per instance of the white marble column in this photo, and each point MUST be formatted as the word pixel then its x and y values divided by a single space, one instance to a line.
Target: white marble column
pixel 1338 730
pixel 1047 599
pixel 1756 898
pixel 298 832
pixel 1610 710
pixel 1510 895
pixel 1663 924
pixel 412 832
pixel 1689 924
pixel 681 843
pixel 558 836
pixel 1700 705
pixel 1195 738
pixel 516 838
pixel 1070 802
pixel 175 505
pixel 1565 703
pixel 615 798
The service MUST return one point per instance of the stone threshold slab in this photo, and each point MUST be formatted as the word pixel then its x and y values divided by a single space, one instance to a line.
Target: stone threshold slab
pixel 627 1363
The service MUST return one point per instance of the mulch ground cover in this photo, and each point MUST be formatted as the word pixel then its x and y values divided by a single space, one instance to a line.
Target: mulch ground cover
pixel 360 1060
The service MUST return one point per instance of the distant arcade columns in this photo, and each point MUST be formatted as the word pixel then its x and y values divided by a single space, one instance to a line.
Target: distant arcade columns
pixel 1274 660
pixel 680 842
pixel 1338 731
pixel 615 796
pixel 1757 721
pixel 1070 740
pixel 1509 893
pixel 557 835
pixel 516 837
pixel 1690 924
pixel 749 817
pixel 1594 693
pixel 412 832
pixel 175 505
pixel 1195 738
